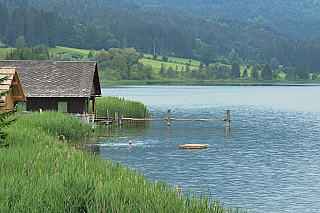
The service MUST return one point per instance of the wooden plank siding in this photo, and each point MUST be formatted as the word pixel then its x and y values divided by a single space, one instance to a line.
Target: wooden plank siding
pixel 74 105
pixel 17 93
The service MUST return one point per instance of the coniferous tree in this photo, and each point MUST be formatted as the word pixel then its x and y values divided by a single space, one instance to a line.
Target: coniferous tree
pixel 297 71
pixel 162 71
pixel 67 35
pixel 207 54
pixel 274 64
pixel 290 76
pixel 17 25
pixel 188 71
pixel 304 72
pixel 254 72
pixel 30 35
pixel 233 56
pixel 245 73
pixel 40 28
pixel 170 72
pixel 235 70
pixel 266 72
pixel 51 19
pixel 21 42
pixel 4 18
pixel 5 119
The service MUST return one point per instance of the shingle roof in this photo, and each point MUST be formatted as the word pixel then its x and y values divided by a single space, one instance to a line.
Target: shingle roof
pixel 57 78
pixel 5 85
pixel 13 78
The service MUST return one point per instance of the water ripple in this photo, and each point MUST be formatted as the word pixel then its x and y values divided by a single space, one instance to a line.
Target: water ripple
pixel 270 160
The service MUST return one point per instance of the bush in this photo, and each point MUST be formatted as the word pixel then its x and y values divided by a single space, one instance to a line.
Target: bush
pixel 165 58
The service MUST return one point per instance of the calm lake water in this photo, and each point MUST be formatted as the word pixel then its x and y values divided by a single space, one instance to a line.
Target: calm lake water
pixel 269 162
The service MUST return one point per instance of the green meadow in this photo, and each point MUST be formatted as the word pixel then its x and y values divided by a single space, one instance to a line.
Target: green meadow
pixel 61 50
pixel 46 169
pixel 156 65
pixel 3 52
pixel 175 59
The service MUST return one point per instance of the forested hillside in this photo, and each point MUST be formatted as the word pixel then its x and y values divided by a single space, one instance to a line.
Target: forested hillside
pixel 301 17
pixel 111 24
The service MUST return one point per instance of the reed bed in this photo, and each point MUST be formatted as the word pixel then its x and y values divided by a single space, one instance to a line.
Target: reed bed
pixel 131 109
pixel 40 172
pixel 58 124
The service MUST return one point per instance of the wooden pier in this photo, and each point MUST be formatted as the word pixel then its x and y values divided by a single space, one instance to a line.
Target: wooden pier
pixel 118 119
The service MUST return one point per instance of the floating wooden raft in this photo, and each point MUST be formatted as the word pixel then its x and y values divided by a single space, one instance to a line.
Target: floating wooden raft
pixel 194 146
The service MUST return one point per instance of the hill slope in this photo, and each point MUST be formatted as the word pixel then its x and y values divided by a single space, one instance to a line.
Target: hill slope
pixel 185 33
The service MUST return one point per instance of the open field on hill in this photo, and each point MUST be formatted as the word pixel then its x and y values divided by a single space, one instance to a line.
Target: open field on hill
pixel 175 59
pixel 156 65
pixel 3 53
pixel 60 50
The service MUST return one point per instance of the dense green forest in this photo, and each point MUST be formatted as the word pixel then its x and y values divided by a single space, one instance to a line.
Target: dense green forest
pixel 163 30
pixel 301 17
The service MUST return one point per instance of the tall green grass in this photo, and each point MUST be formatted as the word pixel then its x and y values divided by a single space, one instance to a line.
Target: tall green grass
pixel 40 173
pixel 131 109
pixel 57 124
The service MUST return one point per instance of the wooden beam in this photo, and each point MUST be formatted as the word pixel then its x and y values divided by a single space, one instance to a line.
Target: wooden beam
pixel 14 83
pixel 17 97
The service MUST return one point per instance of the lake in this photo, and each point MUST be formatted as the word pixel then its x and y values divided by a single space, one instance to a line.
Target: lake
pixel 268 162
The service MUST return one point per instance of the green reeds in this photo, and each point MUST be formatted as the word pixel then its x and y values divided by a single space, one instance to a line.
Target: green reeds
pixel 58 124
pixel 40 173
pixel 131 109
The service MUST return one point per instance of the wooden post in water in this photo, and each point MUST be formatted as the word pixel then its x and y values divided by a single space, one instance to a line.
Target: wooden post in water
pixel 107 114
pixel 120 117
pixel 116 118
pixel 168 120
pixel 228 119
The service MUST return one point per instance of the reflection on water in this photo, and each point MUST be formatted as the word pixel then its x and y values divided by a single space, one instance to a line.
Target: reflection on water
pixel 269 159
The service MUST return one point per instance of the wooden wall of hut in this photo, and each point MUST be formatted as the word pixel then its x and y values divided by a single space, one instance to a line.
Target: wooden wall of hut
pixel 74 105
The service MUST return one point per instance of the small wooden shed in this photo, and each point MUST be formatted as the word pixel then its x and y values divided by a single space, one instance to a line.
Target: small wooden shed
pixel 14 83
pixel 66 86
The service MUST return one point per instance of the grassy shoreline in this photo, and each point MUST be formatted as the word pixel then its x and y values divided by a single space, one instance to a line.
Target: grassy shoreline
pixel 41 171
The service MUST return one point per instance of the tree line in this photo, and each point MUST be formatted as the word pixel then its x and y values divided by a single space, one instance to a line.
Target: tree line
pixel 124 64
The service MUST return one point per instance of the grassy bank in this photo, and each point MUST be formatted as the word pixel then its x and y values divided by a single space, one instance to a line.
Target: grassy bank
pixel 42 172
pixel 131 109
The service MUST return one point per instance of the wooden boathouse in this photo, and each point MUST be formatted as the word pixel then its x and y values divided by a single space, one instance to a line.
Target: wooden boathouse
pixel 66 86
pixel 13 83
